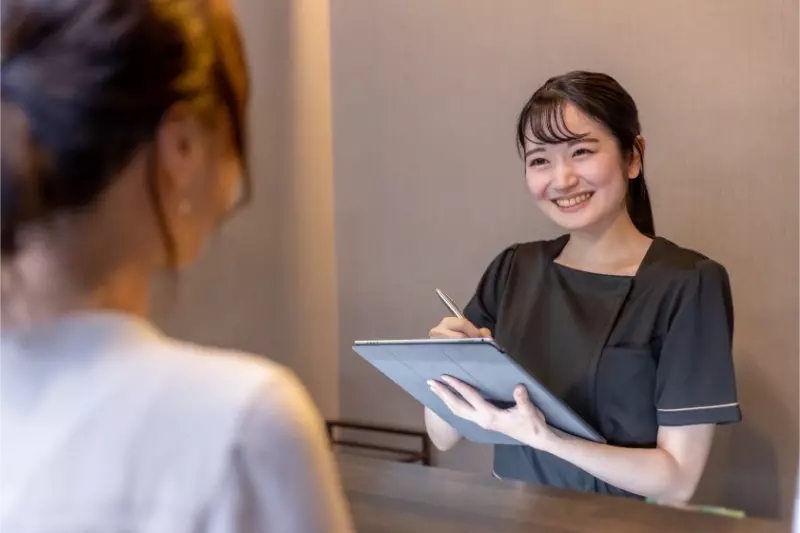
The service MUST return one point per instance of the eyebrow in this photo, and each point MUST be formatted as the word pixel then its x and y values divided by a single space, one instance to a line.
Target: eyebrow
pixel 571 143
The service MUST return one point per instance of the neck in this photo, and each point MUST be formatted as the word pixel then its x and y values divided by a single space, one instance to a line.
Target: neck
pixel 41 289
pixel 615 244
pixel 127 291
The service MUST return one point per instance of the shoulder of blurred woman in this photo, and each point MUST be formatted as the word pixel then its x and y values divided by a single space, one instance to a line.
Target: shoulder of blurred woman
pixel 223 377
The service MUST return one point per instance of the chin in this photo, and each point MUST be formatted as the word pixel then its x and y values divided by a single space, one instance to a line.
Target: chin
pixel 573 226
pixel 572 221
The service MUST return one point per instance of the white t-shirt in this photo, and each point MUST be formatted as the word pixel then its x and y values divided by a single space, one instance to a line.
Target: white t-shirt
pixel 107 426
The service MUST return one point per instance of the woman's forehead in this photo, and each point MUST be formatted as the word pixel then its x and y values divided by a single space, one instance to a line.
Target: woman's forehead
pixel 577 121
pixel 570 121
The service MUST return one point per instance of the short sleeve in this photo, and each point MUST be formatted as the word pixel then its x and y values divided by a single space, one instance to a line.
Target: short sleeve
pixel 482 308
pixel 695 382
pixel 282 475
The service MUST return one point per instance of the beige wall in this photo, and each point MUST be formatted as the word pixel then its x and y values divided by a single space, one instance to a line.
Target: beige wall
pixel 428 186
pixel 268 283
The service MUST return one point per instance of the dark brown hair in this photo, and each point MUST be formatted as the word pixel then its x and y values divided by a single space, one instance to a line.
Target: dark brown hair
pixel 603 99
pixel 86 84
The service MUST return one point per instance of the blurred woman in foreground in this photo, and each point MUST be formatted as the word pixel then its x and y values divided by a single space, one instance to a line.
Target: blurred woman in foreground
pixel 122 151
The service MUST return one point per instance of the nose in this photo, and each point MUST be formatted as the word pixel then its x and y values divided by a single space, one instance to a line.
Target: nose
pixel 564 178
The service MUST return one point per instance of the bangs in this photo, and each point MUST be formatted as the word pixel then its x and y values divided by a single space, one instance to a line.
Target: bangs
pixel 542 122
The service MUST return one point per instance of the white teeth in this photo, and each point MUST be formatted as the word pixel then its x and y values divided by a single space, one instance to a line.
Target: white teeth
pixel 575 200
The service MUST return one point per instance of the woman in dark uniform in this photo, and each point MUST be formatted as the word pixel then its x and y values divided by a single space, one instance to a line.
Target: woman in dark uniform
pixel 630 330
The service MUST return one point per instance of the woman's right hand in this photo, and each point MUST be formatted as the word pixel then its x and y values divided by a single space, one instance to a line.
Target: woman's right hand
pixel 440 432
pixel 458 328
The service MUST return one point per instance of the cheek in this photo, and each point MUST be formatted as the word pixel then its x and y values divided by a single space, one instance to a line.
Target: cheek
pixel 601 172
pixel 224 185
pixel 537 184
pixel 231 185
pixel 214 196
pixel 608 180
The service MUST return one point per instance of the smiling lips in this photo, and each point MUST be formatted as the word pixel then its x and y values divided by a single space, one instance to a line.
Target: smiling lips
pixel 570 202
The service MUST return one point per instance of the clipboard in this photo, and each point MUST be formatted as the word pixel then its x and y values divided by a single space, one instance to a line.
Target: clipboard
pixel 481 363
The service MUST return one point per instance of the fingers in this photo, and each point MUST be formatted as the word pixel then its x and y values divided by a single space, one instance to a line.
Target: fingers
pixel 522 398
pixel 456 328
pixel 484 332
pixel 525 404
pixel 458 406
pixel 468 393
pixel 442 333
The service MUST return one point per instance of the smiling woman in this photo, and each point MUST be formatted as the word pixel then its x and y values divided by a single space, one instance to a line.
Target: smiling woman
pixel 569 121
pixel 630 330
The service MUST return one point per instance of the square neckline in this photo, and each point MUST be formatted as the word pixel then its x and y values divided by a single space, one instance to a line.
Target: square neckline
pixel 647 260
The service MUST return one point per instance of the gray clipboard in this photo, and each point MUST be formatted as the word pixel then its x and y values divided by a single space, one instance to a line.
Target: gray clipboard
pixel 477 362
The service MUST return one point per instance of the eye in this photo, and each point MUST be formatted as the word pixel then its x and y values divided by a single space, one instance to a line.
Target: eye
pixel 582 151
pixel 537 162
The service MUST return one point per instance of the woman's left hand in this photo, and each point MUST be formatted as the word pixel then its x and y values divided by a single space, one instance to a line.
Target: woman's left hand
pixel 523 422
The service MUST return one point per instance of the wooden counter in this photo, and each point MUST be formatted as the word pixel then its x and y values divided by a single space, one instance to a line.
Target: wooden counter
pixel 394 497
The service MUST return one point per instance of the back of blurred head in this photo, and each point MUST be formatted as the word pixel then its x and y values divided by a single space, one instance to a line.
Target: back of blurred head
pixel 122 147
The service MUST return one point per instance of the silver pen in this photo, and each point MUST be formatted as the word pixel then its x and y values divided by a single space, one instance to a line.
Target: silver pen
pixel 450 304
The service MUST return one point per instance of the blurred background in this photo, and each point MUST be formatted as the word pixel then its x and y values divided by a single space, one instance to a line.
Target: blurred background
pixel 385 166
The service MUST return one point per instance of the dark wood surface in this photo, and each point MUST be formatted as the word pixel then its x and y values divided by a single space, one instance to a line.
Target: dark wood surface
pixel 393 497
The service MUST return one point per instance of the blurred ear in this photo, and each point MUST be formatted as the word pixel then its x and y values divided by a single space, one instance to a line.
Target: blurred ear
pixel 637 157
pixel 180 149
